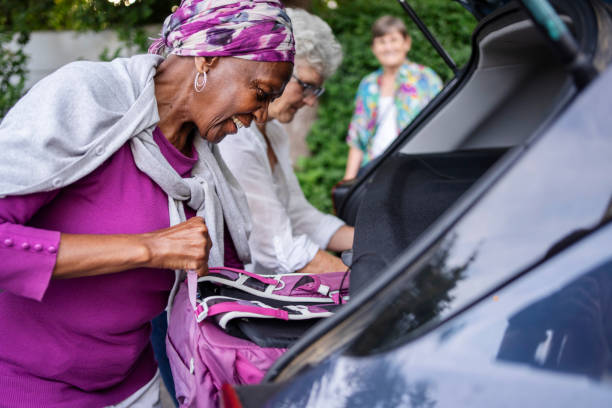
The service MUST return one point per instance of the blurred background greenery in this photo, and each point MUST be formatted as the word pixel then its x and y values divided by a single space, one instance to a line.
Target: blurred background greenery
pixel 349 19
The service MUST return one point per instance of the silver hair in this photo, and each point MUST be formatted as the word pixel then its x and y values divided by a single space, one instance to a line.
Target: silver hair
pixel 315 44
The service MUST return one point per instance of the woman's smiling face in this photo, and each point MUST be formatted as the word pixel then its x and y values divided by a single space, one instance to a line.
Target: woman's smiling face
pixel 391 49
pixel 237 92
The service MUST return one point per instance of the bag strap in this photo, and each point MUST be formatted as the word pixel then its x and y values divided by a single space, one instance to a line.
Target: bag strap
pixel 291 287
pixel 225 309
pixel 203 310
pixel 192 288
pixel 263 279
pixel 192 282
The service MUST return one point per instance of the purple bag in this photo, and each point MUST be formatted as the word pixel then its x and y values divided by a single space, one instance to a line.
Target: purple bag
pixel 229 327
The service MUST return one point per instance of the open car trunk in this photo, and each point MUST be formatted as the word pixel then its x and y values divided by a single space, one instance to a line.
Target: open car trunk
pixel 513 84
pixel 488 184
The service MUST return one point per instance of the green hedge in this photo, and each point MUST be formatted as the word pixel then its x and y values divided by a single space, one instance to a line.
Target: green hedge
pixel 31 15
pixel 351 22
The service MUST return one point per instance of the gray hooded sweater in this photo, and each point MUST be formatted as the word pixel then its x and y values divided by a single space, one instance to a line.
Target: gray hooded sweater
pixel 69 123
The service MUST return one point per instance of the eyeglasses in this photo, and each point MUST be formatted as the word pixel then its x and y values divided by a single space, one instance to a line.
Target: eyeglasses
pixel 309 89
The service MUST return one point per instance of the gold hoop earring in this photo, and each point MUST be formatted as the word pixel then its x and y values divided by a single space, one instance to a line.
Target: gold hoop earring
pixel 199 86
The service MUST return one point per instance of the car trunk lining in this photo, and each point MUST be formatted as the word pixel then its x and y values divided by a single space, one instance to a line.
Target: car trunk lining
pixel 408 193
pixel 517 80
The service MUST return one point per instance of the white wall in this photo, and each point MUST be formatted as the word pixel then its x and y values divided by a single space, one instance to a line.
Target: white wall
pixel 49 50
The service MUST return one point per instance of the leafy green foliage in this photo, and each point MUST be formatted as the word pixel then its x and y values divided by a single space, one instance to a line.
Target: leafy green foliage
pixel 81 14
pixel 13 74
pixel 351 22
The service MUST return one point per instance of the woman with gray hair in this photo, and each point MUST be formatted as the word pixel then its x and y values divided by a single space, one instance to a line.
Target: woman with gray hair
pixel 289 234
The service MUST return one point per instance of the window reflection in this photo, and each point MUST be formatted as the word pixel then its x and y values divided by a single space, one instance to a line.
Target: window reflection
pixel 568 331
pixel 418 300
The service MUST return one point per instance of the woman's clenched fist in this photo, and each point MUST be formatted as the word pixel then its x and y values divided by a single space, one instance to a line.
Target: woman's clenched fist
pixel 183 246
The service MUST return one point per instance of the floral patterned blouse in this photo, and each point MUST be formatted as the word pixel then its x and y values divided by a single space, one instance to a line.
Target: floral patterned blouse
pixel 415 86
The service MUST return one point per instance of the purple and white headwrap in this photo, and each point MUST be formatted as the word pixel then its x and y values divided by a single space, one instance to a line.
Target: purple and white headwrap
pixel 258 30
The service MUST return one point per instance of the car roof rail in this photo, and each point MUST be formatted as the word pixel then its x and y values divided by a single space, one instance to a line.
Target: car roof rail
pixel 429 36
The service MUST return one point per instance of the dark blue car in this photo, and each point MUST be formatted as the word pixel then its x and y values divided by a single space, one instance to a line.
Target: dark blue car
pixel 481 272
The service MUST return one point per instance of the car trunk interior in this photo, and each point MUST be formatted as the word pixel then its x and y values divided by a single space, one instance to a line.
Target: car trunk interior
pixel 517 84
pixel 514 85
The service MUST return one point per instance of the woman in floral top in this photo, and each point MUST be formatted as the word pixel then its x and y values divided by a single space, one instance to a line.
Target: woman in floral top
pixel 388 99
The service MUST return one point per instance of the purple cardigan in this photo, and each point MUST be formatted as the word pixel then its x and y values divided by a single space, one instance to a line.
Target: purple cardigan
pixel 81 342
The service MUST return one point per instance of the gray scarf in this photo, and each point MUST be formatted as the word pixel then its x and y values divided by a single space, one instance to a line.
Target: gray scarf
pixel 76 118
pixel 212 191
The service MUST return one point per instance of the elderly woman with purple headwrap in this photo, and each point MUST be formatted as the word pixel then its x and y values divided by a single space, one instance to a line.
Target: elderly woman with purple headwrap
pixel 110 186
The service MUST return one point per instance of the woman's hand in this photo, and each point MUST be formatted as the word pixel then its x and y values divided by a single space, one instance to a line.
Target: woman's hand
pixel 183 246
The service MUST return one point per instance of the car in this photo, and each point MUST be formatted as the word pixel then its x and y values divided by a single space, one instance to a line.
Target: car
pixel 481 272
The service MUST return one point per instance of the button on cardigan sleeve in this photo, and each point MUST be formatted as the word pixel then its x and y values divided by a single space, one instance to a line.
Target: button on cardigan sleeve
pixel 28 254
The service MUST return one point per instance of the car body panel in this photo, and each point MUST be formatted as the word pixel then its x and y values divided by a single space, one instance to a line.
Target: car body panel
pixel 466 361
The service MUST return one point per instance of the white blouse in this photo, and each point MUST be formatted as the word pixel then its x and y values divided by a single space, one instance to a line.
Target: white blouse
pixel 386 131
pixel 287 230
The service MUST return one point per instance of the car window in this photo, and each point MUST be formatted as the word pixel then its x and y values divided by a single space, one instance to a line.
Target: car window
pixel 557 317
pixel 569 330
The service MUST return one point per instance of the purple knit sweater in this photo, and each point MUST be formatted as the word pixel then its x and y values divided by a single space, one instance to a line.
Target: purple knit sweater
pixel 81 342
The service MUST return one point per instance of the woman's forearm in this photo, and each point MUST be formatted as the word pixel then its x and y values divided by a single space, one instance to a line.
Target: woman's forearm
pixel 184 246
pixel 87 255
pixel 342 239
pixel 353 163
